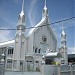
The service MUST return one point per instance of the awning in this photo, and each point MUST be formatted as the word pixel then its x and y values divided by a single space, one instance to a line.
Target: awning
pixel 54 55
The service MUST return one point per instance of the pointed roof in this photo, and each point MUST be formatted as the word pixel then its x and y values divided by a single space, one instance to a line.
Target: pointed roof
pixel 43 20
pixel 36 27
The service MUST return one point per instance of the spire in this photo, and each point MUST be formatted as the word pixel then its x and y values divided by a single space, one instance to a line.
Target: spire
pixel 63 45
pixel 23 5
pixel 22 11
pixel 45 7
pixel 45 4
pixel 21 18
pixel 63 33
pixel 45 11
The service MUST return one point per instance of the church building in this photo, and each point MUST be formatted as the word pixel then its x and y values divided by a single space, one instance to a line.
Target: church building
pixel 24 53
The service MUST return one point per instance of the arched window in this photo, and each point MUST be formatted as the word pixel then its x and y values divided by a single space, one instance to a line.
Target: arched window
pixel 36 50
pixel 39 50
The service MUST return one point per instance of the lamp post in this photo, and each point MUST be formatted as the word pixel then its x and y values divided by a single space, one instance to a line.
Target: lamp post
pixel 3 62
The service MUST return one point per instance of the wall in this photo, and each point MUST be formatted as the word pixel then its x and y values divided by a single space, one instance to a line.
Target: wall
pixel 62 70
pixel 67 69
pixel 1 69
pixel 22 73
pixel 50 70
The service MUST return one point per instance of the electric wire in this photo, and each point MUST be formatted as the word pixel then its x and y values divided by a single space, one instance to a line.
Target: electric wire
pixel 42 25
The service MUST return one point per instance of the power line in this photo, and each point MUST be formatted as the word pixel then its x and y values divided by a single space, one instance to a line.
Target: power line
pixel 43 25
pixel 54 22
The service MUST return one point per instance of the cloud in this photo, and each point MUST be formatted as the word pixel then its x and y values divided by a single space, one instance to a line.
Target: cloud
pixel 8 21
pixel 71 50
pixel 4 35
pixel 31 11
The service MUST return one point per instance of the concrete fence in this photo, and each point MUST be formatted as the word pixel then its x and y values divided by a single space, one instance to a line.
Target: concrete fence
pixel 50 70
pixel 59 70
pixel 46 69
pixel 1 69
pixel 22 73
pixel 67 70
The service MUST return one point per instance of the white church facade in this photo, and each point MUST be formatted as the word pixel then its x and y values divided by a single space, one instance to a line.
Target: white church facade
pixel 25 53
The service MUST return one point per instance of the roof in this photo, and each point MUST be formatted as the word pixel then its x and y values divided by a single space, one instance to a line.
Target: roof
pixel 39 24
pixel 55 54
pixel 7 43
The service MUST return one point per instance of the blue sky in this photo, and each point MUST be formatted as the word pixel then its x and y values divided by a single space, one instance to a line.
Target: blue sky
pixel 57 10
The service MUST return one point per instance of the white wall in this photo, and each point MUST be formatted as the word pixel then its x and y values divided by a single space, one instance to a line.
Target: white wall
pixel 50 70
pixel 22 73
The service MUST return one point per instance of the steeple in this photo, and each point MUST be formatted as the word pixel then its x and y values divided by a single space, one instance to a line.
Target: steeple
pixel 45 7
pixel 22 11
pixel 21 20
pixel 45 10
pixel 63 45
pixel 20 41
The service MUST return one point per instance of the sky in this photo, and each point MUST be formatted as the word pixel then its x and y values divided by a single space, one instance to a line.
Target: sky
pixel 57 10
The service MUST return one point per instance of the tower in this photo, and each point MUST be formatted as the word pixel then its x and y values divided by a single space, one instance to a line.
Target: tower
pixel 63 46
pixel 20 43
